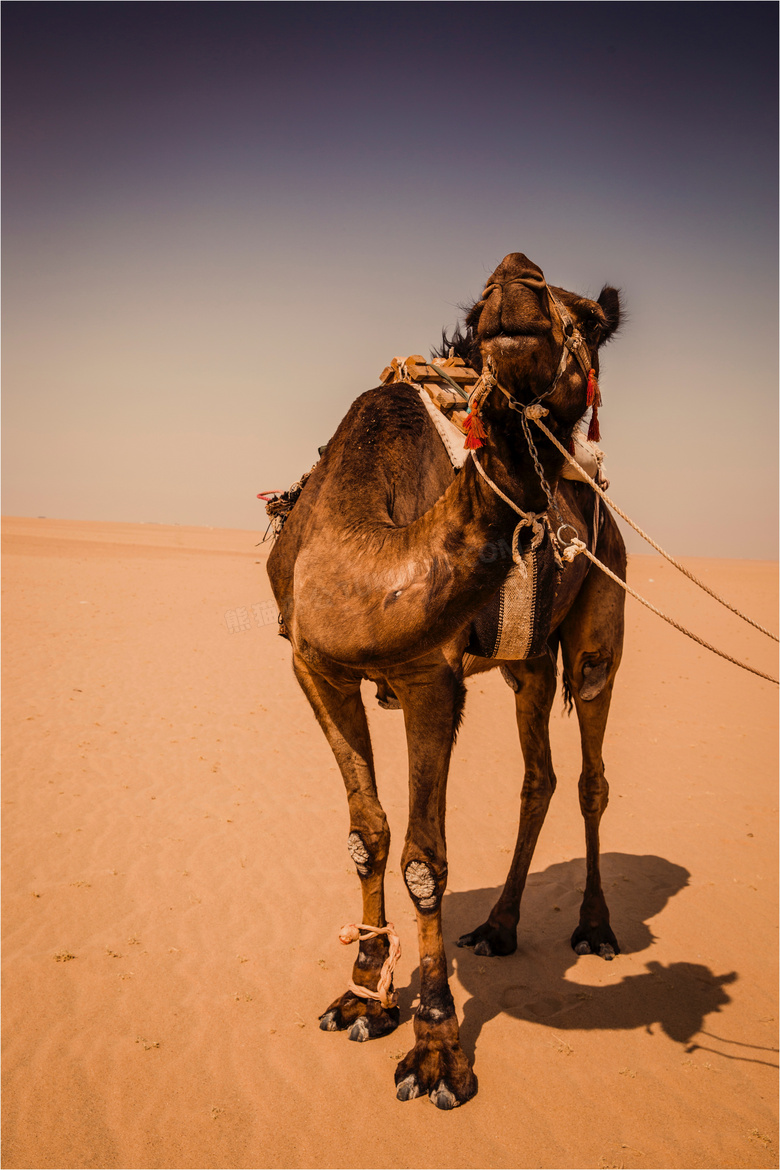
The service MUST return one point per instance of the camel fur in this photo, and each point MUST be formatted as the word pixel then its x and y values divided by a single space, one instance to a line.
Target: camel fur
pixel 385 560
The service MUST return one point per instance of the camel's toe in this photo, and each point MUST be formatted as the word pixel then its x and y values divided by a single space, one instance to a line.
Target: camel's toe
pixel 359 1030
pixel 408 1088
pixel 443 1098
pixel 490 940
pixel 328 1022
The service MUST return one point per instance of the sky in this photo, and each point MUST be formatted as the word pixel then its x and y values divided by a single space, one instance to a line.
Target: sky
pixel 222 220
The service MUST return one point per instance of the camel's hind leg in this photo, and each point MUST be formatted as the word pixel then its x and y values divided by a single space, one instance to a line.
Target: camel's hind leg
pixel 535 690
pixel 591 645
pixel 342 717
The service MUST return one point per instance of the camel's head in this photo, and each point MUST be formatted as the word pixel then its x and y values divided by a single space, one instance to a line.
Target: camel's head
pixel 520 327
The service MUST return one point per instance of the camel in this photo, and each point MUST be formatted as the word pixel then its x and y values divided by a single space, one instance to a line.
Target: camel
pixel 381 572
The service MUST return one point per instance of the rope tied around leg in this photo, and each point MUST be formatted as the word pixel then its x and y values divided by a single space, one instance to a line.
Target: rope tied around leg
pixel 351 933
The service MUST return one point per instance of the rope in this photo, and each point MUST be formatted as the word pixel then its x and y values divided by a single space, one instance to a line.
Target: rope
pixel 577 546
pixel 649 540
pixel 526 518
pixel 351 933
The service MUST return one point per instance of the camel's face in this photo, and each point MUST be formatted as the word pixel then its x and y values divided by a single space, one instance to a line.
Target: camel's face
pixel 519 329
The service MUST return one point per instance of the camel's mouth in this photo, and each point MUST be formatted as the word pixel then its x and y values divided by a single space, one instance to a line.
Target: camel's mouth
pixel 516 356
pixel 510 345
pixel 526 329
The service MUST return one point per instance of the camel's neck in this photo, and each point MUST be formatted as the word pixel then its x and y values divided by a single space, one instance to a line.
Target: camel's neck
pixel 466 536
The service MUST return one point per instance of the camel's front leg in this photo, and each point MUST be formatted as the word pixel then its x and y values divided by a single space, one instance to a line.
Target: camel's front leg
pixel 535 682
pixel 342 717
pixel 436 1065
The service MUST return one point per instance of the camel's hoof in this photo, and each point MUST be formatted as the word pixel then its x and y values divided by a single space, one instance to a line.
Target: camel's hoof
pixel 359 1030
pixel 597 940
pixel 365 1019
pixel 490 940
pixel 408 1088
pixel 439 1069
pixel 443 1098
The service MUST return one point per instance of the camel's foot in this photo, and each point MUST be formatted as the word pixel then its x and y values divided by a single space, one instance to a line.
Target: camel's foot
pixel 595 939
pixel 490 939
pixel 365 1018
pixel 441 1070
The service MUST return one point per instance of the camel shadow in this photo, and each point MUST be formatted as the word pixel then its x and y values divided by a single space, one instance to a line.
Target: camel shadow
pixel 531 985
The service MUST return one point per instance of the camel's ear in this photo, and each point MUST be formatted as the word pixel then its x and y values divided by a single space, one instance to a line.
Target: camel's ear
pixel 609 303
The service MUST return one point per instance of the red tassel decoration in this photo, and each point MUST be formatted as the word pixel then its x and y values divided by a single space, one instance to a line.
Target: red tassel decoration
pixel 475 432
pixel 570 448
pixel 594 431
pixel 594 401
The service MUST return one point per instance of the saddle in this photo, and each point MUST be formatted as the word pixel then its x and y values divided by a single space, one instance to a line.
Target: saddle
pixel 447 383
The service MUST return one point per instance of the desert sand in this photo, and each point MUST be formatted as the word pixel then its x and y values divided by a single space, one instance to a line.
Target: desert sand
pixel 176 875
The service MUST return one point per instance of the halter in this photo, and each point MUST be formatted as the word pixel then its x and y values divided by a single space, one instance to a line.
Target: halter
pixel 573 345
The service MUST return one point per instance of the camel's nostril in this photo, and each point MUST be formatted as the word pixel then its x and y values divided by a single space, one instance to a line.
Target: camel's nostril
pixel 533 280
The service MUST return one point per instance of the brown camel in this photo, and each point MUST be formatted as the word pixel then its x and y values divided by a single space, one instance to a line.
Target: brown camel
pixel 380 573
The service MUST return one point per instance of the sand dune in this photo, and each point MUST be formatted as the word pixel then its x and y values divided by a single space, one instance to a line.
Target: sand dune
pixel 176 874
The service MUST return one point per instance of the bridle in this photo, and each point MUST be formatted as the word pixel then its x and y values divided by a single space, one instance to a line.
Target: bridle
pixel 572 345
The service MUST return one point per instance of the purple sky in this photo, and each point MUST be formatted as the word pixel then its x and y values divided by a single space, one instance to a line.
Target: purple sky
pixel 222 220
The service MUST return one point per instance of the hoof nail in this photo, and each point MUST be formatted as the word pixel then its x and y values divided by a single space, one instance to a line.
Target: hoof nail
pixel 359 1030
pixel 408 1088
pixel 582 948
pixel 606 951
pixel 484 948
pixel 442 1097
pixel 328 1022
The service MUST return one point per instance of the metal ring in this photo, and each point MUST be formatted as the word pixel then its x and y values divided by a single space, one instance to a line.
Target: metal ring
pixel 560 530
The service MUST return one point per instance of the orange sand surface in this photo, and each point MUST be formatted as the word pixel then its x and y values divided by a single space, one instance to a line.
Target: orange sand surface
pixel 176 874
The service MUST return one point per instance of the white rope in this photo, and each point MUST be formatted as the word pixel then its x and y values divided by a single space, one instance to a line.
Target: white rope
pixel 576 547
pixel 506 499
pixel 526 518
pixel 532 414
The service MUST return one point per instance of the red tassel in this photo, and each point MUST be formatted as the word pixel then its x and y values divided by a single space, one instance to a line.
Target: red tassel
pixel 475 432
pixel 593 393
pixel 570 448
pixel 593 400
pixel 594 431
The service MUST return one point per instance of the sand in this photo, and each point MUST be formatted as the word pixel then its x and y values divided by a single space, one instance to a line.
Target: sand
pixel 176 874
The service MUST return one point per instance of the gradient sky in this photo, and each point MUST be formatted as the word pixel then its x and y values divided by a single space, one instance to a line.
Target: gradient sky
pixel 222 220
